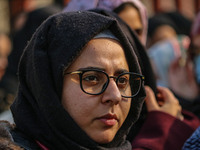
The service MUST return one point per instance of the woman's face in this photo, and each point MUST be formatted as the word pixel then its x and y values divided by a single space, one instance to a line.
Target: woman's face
pixel 100 116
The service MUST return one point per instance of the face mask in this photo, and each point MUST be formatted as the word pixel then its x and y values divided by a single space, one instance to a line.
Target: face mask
pixel 197 68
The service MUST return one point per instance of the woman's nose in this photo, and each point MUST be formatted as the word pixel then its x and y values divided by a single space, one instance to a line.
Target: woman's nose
pixel 112 93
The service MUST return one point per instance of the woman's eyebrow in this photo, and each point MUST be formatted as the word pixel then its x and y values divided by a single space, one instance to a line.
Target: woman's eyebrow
pixel 119 71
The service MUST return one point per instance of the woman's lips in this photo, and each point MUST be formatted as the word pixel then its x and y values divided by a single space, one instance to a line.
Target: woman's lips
pixel 109 119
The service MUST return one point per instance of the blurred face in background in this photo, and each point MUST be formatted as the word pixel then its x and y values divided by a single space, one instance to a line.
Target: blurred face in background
pixel 163 32
pixel 5 49
pixel 131 16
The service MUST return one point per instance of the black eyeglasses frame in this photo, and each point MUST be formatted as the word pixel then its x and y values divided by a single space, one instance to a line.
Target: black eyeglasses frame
pixel 81 72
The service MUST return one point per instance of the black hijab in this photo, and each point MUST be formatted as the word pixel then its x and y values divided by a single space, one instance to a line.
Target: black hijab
pixel 37 109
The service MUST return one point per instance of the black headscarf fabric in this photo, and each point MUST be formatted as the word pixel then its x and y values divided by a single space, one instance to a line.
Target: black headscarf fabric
pixel 37 110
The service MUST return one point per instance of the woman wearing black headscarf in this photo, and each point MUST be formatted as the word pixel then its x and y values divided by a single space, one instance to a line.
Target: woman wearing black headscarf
pixel 80 86
pixel 67 97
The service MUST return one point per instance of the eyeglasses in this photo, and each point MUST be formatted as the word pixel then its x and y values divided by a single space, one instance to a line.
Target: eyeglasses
pixel 95 82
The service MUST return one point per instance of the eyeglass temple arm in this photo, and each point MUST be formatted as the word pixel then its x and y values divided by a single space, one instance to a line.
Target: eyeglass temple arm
pixel 74 72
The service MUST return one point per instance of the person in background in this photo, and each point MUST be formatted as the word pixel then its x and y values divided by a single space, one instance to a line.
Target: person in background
pixel 183 23
pixel 134 14
pixel 165 56
pixel 160 28
pixel 171 61
pixel 186 78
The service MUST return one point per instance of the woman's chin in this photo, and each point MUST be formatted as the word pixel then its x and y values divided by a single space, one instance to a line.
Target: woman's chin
pixel 103 138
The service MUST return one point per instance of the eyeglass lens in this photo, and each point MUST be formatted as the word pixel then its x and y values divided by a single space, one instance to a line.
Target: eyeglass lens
pixel 95 82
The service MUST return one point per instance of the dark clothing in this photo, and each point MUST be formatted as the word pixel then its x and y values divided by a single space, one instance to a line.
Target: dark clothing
pixel 10 138
pixel 193 143
pixel 37 109
pixel 190 105
pixel 24 141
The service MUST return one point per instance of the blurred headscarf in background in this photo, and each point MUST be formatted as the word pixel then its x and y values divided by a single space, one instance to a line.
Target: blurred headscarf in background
pixel 110 5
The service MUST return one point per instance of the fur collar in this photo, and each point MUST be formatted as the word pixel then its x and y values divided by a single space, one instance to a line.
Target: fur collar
pixel 6 140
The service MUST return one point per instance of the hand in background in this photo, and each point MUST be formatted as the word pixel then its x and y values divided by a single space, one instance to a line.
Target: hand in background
pixel 166 102
pixel 182 80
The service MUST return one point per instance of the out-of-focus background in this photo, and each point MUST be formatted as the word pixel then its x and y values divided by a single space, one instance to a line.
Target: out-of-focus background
pixel 11 9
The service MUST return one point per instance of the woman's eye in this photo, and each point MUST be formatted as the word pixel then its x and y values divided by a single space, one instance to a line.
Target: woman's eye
pixel 91 79
pixel 122 81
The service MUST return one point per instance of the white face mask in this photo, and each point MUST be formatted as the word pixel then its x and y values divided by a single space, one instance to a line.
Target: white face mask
pixel 197 68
